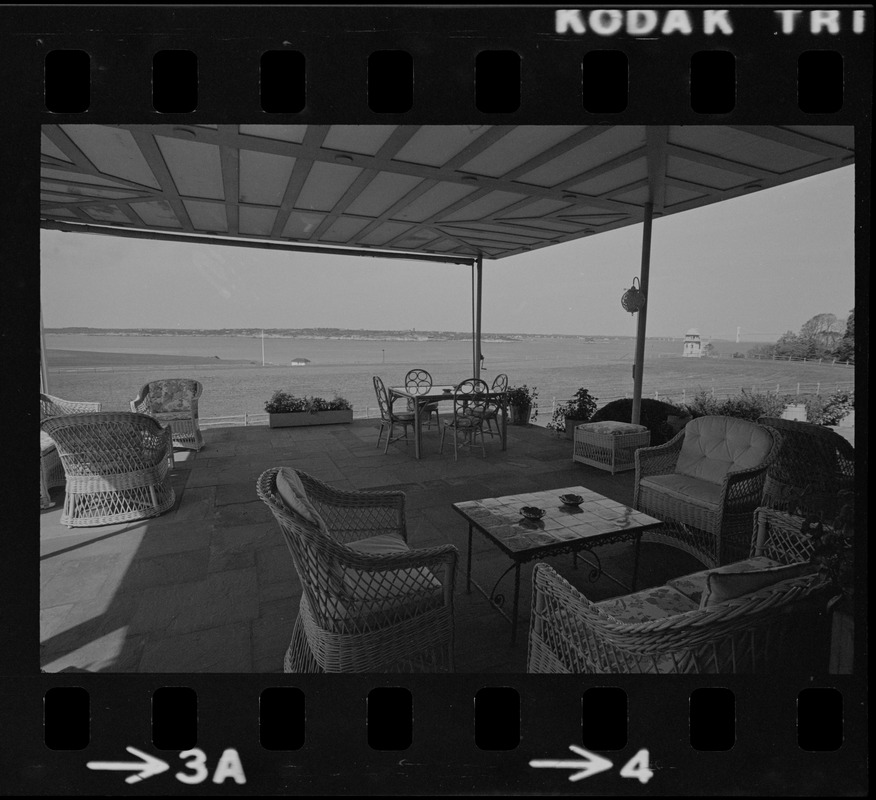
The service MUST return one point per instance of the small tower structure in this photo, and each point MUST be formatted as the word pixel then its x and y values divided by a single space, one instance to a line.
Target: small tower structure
pixel 693 345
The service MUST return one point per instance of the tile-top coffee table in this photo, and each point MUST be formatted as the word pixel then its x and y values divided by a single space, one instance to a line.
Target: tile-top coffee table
pixel 563 529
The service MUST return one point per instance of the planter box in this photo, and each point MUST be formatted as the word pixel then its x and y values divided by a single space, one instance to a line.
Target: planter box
pixel 302 418
pixel 519 415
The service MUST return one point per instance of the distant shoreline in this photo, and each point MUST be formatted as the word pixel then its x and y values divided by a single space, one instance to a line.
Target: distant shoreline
pixel 342 333
pixel 71 359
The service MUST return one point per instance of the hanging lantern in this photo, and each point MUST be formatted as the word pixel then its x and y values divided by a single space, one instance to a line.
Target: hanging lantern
pixel 633 299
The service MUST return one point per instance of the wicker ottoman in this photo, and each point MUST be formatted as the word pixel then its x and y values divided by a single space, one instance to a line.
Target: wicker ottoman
pixel 609 445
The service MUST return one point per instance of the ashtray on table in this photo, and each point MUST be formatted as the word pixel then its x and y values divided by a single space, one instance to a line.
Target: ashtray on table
pixel 532 512
pixel 571 499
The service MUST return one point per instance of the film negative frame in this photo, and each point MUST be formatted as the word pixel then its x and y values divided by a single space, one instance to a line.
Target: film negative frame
pixel 443 757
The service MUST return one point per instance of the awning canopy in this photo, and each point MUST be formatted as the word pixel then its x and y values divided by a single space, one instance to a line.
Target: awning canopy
pixel 463 190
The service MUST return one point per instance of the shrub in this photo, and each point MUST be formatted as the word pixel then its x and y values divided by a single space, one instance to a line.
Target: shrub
pixel 664 420
pixel 748 405
pixel 830 410
pixel 752 405
pixel 704 404
pixel 579 408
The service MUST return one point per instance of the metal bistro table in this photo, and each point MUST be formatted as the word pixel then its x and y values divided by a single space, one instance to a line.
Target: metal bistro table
pixel 444 392
pixel 563 529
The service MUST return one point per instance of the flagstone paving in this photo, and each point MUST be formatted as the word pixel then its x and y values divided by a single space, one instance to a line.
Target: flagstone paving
pixel 209 586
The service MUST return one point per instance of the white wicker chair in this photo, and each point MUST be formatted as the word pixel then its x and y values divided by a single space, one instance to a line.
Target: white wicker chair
pixel 368 603
pixel 173 401
pixel 776 629
pixel 51 469
pixel 813 467
pixel 115 464
pixel 705 484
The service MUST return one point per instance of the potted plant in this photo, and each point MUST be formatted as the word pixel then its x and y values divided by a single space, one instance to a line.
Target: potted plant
pixel 286 410
pixel 522 401
pixel 579 408
pixel 832 537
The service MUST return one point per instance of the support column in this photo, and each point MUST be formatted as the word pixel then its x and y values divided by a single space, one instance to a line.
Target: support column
pixel 477 294
pixel 639 363
pixel 44 367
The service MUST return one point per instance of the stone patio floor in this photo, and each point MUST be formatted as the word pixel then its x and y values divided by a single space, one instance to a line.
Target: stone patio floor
pixel 209 586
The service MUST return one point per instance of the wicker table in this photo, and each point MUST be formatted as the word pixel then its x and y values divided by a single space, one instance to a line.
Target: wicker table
pixel 609 445
pixel 597 521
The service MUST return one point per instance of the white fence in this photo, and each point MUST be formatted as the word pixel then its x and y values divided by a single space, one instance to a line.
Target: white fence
pixel 546 410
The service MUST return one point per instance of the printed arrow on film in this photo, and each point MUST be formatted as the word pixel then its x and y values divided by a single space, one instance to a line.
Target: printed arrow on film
pixel 147 767
pixel 590 765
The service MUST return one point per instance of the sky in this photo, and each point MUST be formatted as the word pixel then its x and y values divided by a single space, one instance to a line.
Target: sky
pixel 764 263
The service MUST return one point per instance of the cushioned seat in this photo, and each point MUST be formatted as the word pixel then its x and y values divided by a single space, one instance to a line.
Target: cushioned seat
pixel 705 484
pixel 648 604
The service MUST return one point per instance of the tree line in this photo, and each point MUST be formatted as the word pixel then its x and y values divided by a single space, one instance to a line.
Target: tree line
pixel 823 336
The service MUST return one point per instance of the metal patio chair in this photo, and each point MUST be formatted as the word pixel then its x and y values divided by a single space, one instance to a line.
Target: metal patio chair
pixel 466 425
pixel 421 379
pixel 389 418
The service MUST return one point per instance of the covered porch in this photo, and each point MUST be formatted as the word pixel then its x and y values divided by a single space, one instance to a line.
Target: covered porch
pixel 209 586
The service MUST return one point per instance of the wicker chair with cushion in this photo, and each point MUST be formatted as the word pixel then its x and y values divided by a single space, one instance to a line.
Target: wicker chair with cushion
pixel 369 603
pixel 173 401
pixel 421 379
pixel 705 484
pixel 51 470
pixel 115 464
pixel 766 614
pixel 469 399
pixel 389 417
pixel 813 466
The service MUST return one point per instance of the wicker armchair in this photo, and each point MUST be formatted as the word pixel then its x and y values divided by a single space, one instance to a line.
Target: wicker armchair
pixel 705 484
pixel 779 628
pixel 115 464
pixel 368 603
pixel 813 465
pixel 51 470
pixel 173 401
pixel 469 400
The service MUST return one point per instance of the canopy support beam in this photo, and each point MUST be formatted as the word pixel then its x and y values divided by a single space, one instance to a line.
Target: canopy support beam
pixel 642 319
pixel 477 275
pixel 44 368
pixel 68 227
pixel 656 137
